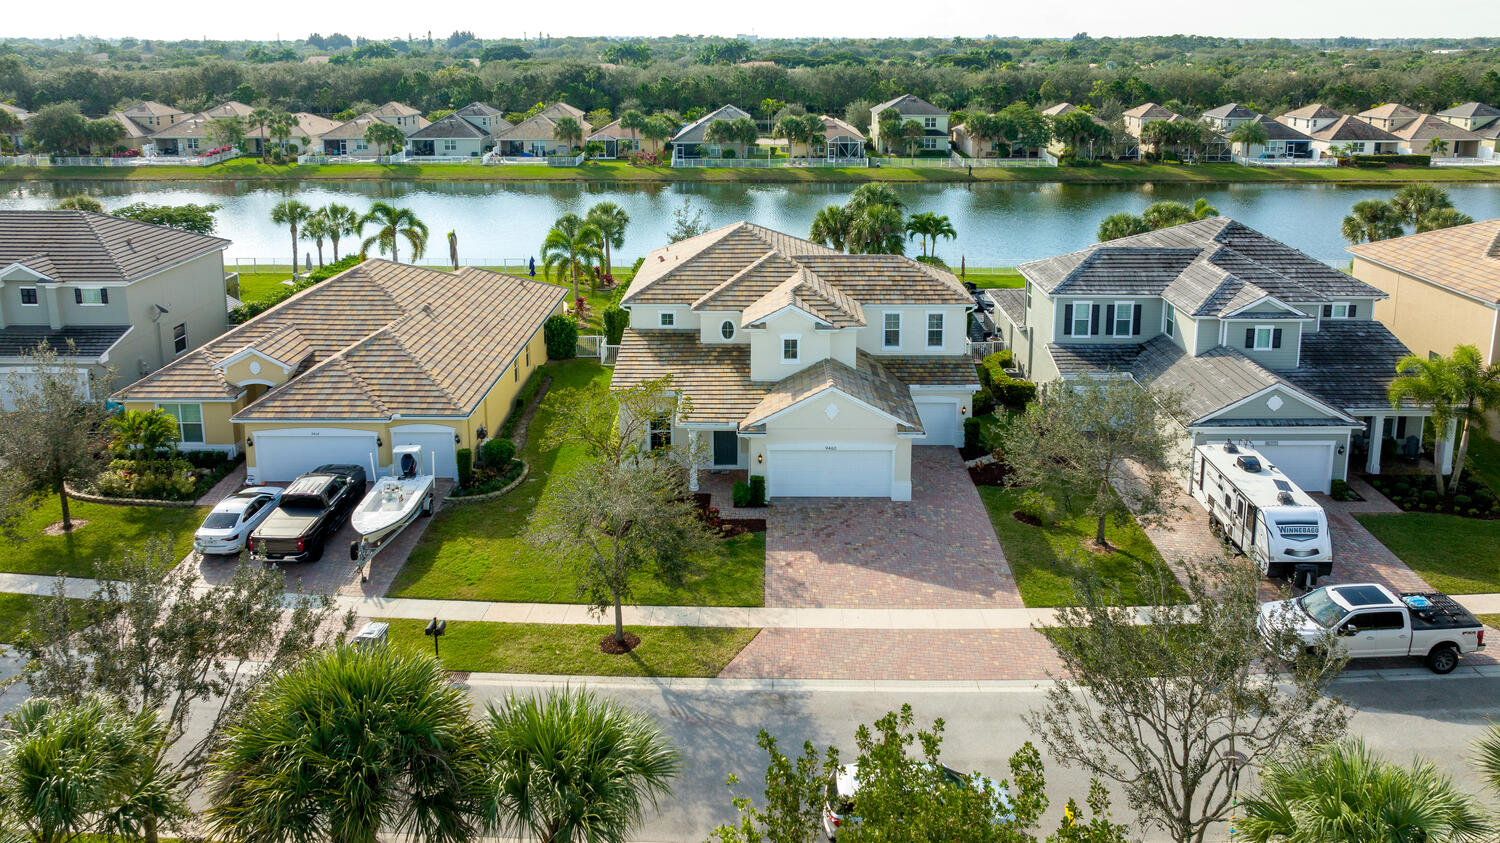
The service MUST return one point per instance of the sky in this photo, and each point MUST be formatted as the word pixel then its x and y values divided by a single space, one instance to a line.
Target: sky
pixel 770 18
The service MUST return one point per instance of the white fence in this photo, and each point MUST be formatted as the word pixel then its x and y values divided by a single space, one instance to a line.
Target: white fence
pixel 752 163
pixel 513 265
pixel 435 159
pixel 1285 162
pixel 1466 162
pixel 1045 160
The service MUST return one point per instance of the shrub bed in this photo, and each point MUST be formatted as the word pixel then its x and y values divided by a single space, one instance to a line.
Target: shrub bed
pixel 1416 493
pixel 493 474
pixel 179 476
pixel 250 310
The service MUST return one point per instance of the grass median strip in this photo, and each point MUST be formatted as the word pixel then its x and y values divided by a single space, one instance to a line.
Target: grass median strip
pixel 480 647
pixel 100 532
pixel 1454 555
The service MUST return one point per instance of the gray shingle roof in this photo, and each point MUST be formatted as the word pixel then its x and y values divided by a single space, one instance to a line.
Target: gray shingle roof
pixel 697 130
pixel 1348 128
pixel 1232 111
pixel 80 247
pixel 89 341
pixel 1276 130
pixel 452 126
pixel 1012 303
pixel 1471 109
pixel 1209 382
pixel 1316 110
pixel 1349 364
pixel 1093 358
pixel 908 104
pixel 478 109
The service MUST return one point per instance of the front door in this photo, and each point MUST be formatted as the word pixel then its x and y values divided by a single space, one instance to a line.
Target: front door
pixel 726 447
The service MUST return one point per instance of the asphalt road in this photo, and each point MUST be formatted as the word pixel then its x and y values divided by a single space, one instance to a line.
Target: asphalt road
pixel 1431 716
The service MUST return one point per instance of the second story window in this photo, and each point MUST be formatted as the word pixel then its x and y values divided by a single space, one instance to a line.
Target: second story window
pixel 1123 323
pixel 90 295
pixel 726 329
pixel 934 330
pixel 28 295
pixel 1081 313
pixel 1340 310
pixel 179 338
pixel 666 319
pixel 1171 324
pixel 1262 337
pixel 790 350
pixel 929 122
pixel 892 325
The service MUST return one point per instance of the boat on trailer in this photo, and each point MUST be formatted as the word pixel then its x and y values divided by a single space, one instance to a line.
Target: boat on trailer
pixel 395 501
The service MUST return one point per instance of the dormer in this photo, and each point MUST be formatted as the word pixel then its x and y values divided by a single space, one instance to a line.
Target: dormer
pixel 269 361
pixel 1267 331
pixel 799 322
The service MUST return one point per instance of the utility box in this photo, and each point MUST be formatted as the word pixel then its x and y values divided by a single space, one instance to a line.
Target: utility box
pixel 372 636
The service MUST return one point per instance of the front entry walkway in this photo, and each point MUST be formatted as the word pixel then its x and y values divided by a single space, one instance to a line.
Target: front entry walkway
pixel 937 550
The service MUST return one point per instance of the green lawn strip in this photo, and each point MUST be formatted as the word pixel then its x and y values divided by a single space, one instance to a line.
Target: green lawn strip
pixel 110 530
pixel 255 286
pixel 476 552
pixel 16 611
pixel 615 171
pixel 480 647
pixel 995 279
pixel 1043 558
pixel 1454 555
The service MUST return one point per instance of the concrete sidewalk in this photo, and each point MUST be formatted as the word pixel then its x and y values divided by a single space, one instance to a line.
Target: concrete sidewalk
pixel 705 616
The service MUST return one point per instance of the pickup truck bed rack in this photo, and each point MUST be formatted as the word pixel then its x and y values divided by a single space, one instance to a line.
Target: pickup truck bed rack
pixel 1443 612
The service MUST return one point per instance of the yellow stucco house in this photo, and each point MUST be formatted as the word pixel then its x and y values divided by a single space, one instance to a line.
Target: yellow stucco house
pixel 1442 287
pixel 382 354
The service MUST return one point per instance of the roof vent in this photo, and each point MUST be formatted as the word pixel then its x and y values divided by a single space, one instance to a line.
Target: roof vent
pixel 427 308
pixel 1248 463
pixel 130 244
pixel 1284 498
pixel 1229 448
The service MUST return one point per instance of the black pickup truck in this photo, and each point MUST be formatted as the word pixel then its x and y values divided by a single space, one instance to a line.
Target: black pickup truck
pixel 312 509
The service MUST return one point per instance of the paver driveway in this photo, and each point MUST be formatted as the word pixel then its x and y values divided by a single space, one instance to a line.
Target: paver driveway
pixel 937 550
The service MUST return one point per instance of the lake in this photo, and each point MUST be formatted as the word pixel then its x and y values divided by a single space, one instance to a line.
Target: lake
pixel 999 224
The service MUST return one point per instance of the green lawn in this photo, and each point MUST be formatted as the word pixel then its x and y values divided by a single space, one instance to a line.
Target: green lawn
pixel 475 552
pixel 110 530
pixel 255 286
pixel 1484 460
pixel 481 647
pixel 1454 555
pixel 1491 621
pixel 1044 559
pixel 614 171
pixel 995 277
pixel 16 611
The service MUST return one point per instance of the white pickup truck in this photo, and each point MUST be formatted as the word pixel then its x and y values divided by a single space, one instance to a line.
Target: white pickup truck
pixel 1371 621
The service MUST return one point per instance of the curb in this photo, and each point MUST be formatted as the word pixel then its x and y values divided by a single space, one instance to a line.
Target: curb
pixel 88 497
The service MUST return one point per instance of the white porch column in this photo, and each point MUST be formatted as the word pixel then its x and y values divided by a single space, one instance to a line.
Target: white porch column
pixel 692 461
pixel 1377 439
pixel 1444 455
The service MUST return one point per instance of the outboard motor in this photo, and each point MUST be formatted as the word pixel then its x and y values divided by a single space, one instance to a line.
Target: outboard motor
pixel 408 465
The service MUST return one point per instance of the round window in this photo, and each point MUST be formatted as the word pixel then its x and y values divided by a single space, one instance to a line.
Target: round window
pixel 727 329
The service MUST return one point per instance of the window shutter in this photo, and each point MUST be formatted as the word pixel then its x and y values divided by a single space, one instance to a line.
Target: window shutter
pixel 1352 308
pixel 1094 321
pixel 1067 320
pixel 77 296
pixel 1109 320
pixel 1249 337
pixel 1327 311
pixel 1276 338
pixel 1135 321
pixel 104 295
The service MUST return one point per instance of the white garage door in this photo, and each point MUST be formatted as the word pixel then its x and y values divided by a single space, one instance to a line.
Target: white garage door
pixel 435 440
pixel 1308 464
pixel 941 421
pixel 281 455
pixel 829 474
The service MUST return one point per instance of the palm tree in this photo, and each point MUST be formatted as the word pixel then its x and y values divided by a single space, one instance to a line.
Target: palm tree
pixel 145 432
pixel 384 137
pixel 280 125
pixel 573 246
pixel 260 118
pixel 346 745
pixel 984 127
pixel 873 193
pixel 889 124
pixel 1459 388
pixel 1487 757
pixel 80 203
pixel 1415 201
pixel 1122 224
pixel 789 127
pixel 1344 793
pixel 633 121
pixel 611 221
pixel 569 131
pixel 1250 133
pixel 912 133
pixel 721 133
pixel 1370 220
pixel 830 227
pixel 572 766
pixel 392 224
pixel 1442 218
pixel 930 226
pixel 658 129
pixel 1437 148
pixel 342 222
pixel 291 213
pixel 1202 210
pixel 84 767
pixel 317 229
pixel 877 230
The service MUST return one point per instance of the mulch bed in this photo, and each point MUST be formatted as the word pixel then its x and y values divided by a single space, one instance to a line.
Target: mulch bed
pixel 1026 518
pixel 736 526
pixel 609 645
pixel 990 474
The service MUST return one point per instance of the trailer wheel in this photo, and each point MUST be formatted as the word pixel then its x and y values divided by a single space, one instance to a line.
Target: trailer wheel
pixel 1443 658
pixel 427 506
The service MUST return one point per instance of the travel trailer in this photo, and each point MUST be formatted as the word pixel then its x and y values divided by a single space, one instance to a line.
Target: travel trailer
pixel 1260 511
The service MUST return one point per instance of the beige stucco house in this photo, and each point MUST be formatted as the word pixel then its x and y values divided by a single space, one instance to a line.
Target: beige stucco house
pixel 129 296
pixel 1441 288
pixel 381 354
pixel 817 369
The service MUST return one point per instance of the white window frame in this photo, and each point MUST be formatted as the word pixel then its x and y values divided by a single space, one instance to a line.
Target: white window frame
pixel 929 143
pixel 1087 309
pixel 85 292
pixel 179 341
pixel 450 145
pixel 360 146
pixel 1334 311
pixel 35 294
pixel 1127 308
pixel 191 143
pixel 885 329
pixel 1270 337
pixel 727 323
pixel 666 319
pixel 942 328
pixel 929 122
pixel 175 411
pixel 1169 320
pixel 796 347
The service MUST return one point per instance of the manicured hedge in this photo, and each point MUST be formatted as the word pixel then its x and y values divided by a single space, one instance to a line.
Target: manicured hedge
pixel 1383 160
pixel 251 309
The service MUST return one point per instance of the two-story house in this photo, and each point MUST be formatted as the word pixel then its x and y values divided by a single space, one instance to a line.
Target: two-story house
pixel 691 141
pixel 934 120
pixel 1260 342
pixel 816 369
pixel 1479 118
pixel 129 297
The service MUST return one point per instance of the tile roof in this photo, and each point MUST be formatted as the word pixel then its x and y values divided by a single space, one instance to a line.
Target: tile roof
pixel 1464 259
pixel 452 126
pixel 286 345
pixel 1428 126
pixel 868 382
pixel 1068 108
pixel 1093 358
pixel 1471 109
pixel 542 124
pixel 908 104
pixel 1349 128
pixel 1150 111
pixel 833 127
pixel 1316 111
pixel 15 110
pixel 1232 111
pixel 931 370
pixel 150 108
pixel 384 338
pixel 351 129
pixel 1349 363
pixel 697 131
pixel 89 341
pixel 1393 111
pixel 1207 267
pixel 1012 303
pixel 613 131
pixel 232 108
pixel 716 378
pixel 132 128
pixel 394 109
pixel 811 294
pixel 81 247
